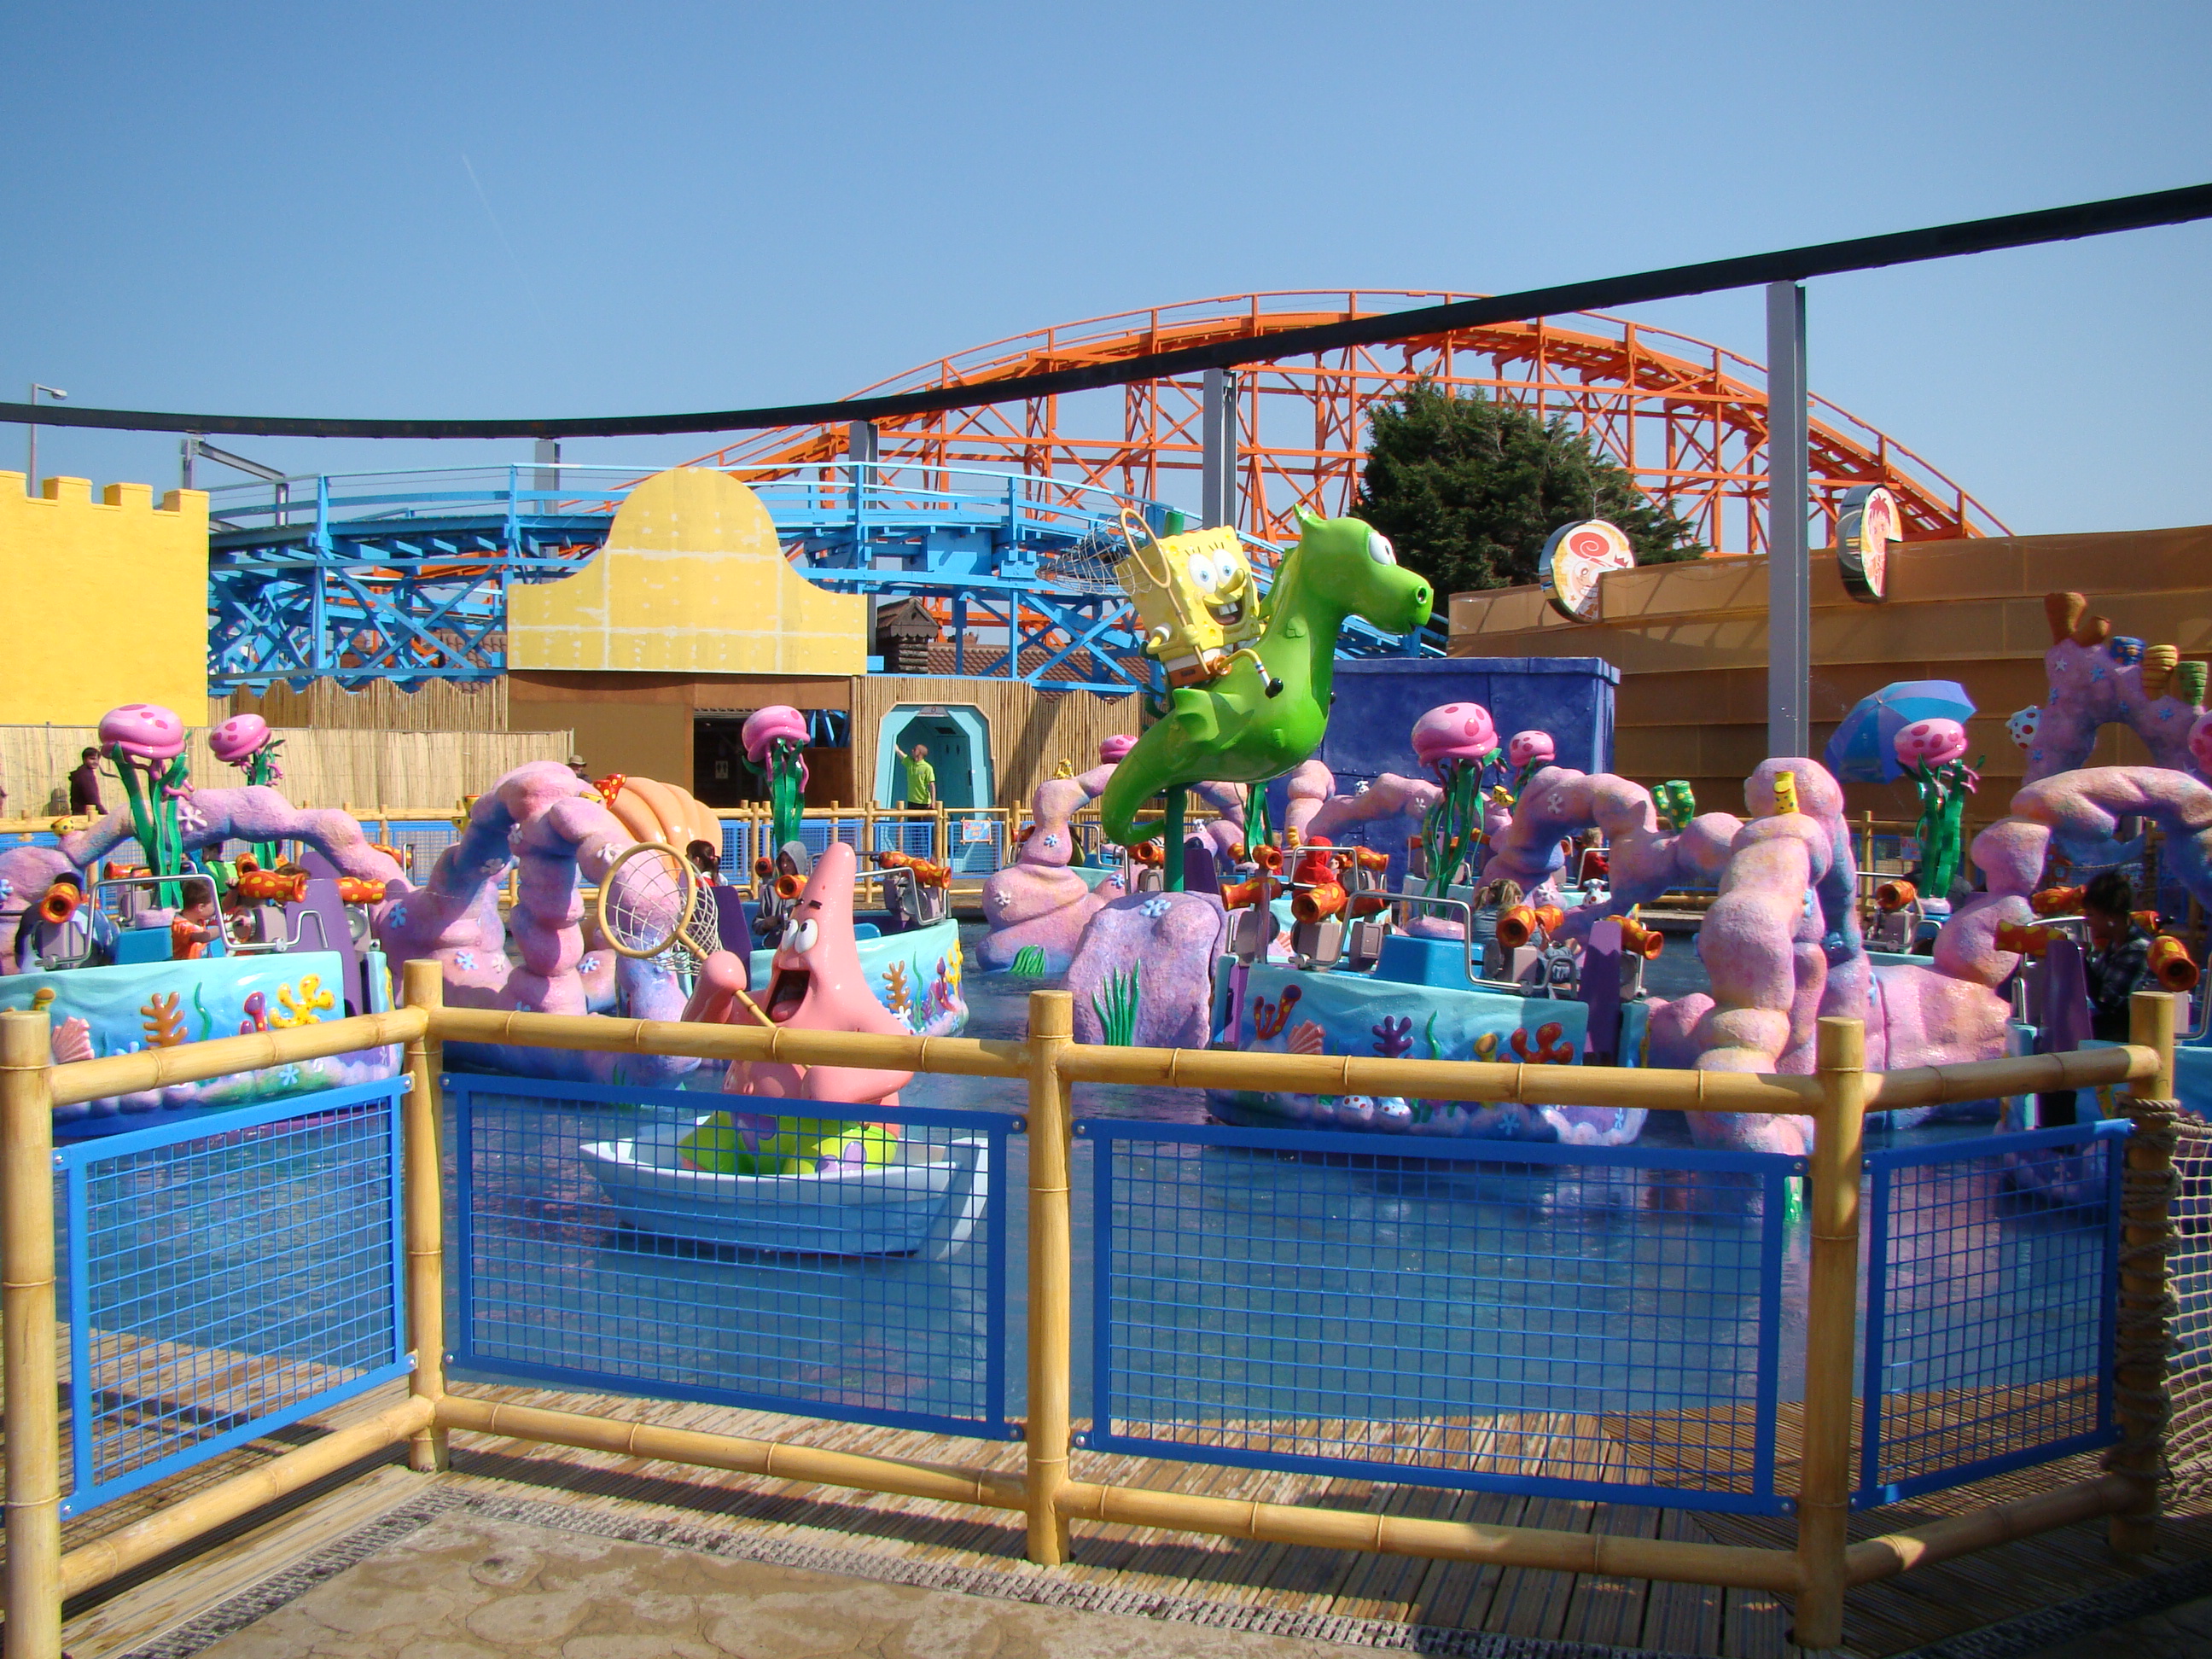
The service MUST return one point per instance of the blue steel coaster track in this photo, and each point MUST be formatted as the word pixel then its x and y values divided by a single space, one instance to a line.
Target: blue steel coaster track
pixel 404 576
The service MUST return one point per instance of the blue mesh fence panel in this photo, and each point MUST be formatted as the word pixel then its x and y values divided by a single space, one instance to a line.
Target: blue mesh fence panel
pixel 916 837
pixel 630 1241
pixel 975 843
pixel 1537 1319
pixel 420 846
pixel 1992 1276
pixel 225 1277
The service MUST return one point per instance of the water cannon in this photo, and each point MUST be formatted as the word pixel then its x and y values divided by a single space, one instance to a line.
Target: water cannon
pixel 2057 901
pixel 1269 858
pixel 764 869
pixel 2170 964
pixel 1892 895
pixel 1238 894
pixel 1523 924
pixel 1638 940
pixel 1319 902
pixel 60 904
pixel 355 889
pixel 2026 940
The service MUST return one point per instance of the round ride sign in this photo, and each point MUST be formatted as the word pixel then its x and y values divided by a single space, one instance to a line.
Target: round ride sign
pixel 1574 559
pixel 1865 527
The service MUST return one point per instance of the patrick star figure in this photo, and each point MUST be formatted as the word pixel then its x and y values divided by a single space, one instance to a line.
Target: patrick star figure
pixel 815 983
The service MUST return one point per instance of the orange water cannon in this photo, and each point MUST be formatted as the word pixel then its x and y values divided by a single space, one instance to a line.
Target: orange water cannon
pixel 1367 858
pixel 2024 941
pixel 60 904
pixel 1638 940
pixel 1364 905
pixel 1894 895
pixel 2057 901
pixel 1238 894
pixel 355 889
pixel 789 887
pixel 763 869
pixel 1319 902
pixel 272 886
pixel 1269 857
pixel 2170 964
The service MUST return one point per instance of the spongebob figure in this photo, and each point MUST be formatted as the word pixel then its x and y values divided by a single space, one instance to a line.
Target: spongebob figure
pixel 1196 599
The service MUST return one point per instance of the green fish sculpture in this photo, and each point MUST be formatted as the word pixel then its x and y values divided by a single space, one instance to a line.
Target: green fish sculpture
pixel 1250 725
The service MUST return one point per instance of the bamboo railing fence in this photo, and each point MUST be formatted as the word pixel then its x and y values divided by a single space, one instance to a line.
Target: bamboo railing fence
pixel 1818 1572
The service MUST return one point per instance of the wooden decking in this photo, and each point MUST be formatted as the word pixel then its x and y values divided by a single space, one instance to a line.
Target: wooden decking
pixel 1238 1582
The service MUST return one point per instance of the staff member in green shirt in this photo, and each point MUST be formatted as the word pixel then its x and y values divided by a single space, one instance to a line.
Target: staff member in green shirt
pixel 920 779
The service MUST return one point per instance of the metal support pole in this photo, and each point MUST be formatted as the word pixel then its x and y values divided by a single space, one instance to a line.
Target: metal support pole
pixel 547 478
pixel 1052 1029
pixel 1217 439
pixel 423 1197
pixel 33 1454
pixel 1788 573
pixel 2145 1319
pixel 1824 1491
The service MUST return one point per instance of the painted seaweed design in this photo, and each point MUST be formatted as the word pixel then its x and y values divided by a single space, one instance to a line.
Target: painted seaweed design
pixel 164 1021
pixel 1119 1015
pixel 1394 1038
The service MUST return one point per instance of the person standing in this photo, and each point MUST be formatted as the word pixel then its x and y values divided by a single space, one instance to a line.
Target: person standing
pixel 2118 961
pixel 577 765
pixel 84 786
pixel 920 779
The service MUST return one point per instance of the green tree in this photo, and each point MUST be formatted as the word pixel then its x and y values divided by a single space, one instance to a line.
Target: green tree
pixel 1468 490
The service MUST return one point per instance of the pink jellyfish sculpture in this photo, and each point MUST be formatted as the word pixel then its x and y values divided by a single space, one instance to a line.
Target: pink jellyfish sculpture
pixel 1458 743
pixel 145 743
pixel 1933 754
pixel 1528 753
pixel 773 737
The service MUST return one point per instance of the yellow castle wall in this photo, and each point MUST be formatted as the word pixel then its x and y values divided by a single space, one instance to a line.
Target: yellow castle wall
pixel 107 601
pixel 692 580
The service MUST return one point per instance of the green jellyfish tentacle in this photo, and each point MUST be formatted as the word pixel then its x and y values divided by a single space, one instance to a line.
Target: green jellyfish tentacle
pixel 1171 847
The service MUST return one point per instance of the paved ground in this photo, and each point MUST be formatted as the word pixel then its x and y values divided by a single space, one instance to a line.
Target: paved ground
pixel 469 1587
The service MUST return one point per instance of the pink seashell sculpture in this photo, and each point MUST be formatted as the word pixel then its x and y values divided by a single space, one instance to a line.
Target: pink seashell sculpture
pixel 1531 749
pixel 237 738
pixel 1930 743
pixel 777 723
pixel 1458 731
pixel 144 730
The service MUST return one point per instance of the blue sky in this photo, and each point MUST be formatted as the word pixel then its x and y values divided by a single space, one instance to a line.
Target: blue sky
pixel 568 208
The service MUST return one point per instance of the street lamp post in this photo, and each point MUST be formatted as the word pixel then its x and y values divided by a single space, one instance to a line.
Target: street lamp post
pixel 31 465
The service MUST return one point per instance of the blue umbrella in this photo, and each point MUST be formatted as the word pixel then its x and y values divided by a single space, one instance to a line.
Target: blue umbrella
pixel 1862 750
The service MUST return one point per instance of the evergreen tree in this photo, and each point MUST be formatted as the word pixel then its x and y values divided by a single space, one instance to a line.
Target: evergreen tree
pixel 1468 490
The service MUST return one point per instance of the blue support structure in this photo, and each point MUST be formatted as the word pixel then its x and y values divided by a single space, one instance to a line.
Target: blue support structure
pixel 406 576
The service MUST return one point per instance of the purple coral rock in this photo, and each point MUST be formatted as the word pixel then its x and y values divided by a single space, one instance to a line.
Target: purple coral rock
pixel 1177 948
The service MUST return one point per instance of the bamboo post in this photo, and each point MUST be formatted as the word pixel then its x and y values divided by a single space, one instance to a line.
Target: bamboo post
pixel 34 1427
pixel 1831 1315
pixel 2144 1322
pixel 424 1201
pixel 1052 1029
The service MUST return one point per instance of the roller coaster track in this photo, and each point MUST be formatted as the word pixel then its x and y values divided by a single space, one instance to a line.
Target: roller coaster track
pixel 1685 417
pixel 405 576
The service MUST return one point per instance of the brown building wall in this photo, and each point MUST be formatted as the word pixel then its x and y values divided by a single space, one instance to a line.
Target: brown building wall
pixel 1690 640
pixel 642 723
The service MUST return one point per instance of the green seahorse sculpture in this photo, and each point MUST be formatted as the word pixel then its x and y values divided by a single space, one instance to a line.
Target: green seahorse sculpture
pixel 1257 722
